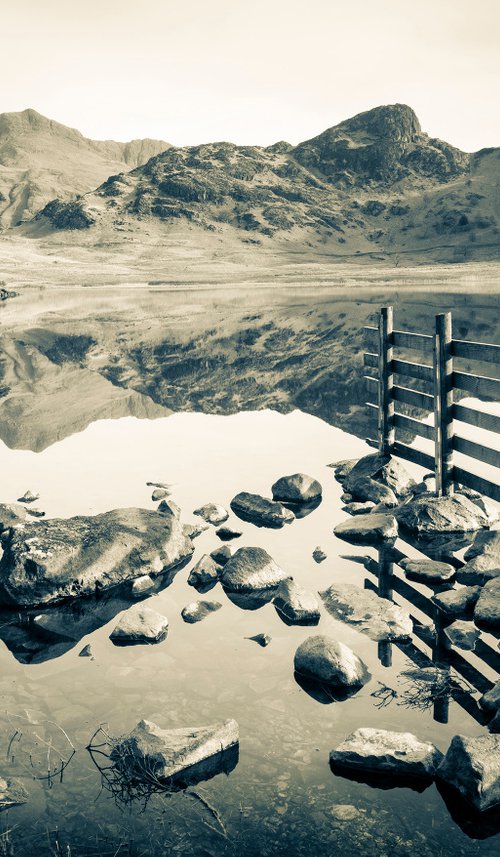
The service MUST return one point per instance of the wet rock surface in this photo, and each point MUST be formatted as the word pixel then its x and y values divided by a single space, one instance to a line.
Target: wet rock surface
pixel 368 529
pixel 386 472
pixel 377 617
pixel 204 573
pixel 428 571
pixel 212 513
pixel 262 640
pixel 297 488
pixel 462 634
pixel 222 554
pixel 454 514
pixel 296 605
pixel 487 609
pixel 159 494
pixel 28 497
pixel 458 603
pixel 482 559
pixel 198 610
pixel 359 508
pixel 226 534
pixel 490 701
pixel 332 663
pixel 140 625
pixel 251 569
pixel 400 754
pixel 261 511
pixel 11 514
pixel 471 766
pixel 142 586
pixel 319 555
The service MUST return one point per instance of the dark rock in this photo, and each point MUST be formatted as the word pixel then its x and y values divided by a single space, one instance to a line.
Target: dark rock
pixel 462 634
pixel 159 494
pixel 28 497
pixel 458 603
pixel 427 571
pixel 386 472
pixel 142 586
pixel 490 701
pixel 204 573
pixel 86 652
pixel 198 610
pixel 12 793
pixel 359 508
pixel 140 625
pixel 487 609
pixel 343 468
pixel 327 661
pixel 251 569
pixel 368 529
pixel 377 617
pixel 222 554
pixel 471 766
pixel 396 753
pixel 212 513
pixel 319 555
pixel 296 605
pixel 482 559
pixel 168 507
pixel 227 533
pixel 260 511
pixel 453 514
pixel 35 513
pixel 262 639
pixel 297 488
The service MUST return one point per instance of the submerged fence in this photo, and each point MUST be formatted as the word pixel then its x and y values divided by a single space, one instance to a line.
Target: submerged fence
pixel 435 395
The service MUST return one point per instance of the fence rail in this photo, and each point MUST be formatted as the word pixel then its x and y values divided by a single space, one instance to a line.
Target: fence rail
pixel 435 396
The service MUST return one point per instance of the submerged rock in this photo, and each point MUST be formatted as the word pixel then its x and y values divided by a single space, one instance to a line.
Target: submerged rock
pixel 12 793
pixel 142 586
pixel 297 488
pixel 212 513
pixel 296 605
pixel 140 625
pixel 198 610
pixel 178 756
pixel 453 514
pixel 319 555
pixel 228 533
pixel 427 570
pixel 48 561
pixel 462 634
pixel 368 529
pixel 380 751
pixel 11 514
pixel 28 497
pixel 261 511
pixel 222 554
pixel 472 766
pixel 261 639
pixel 204 573
pixel 327 661
pixel 377 617
pixel 251 569
pixel 487 609
pixel 458 603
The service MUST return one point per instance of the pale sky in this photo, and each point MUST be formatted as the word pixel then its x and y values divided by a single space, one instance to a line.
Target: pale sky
pixel 251 71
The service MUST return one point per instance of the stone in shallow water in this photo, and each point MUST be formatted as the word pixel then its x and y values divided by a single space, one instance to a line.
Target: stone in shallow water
pixel 359 508
pixel 168 507
pixel 296 605
pixel 462 634
pixel 176 755
pixel 318 554
pixel 228 533
pixel 427 570
pixel 222 554
pixel 198 610
pixel 250 570
pixel 142 586
pixel 344 812
pixel 384 471
pixel 380 751
pixel 482 559
pixel 204 573
pixel 140 625
pixel 11 514
pixel 472 767
pixel 261 639
pixel 458 603
pixel 377 617
pixel 212 513
pixel 50 560
pixel 454 514
pixel 343 468
pixel 487 609
pixel 12 793
pixel 86 652
pixel 368 529
pixel 192 531
pixel 490 701
pixel 297 488
pixel 28 497
pixel 159 494
pixel 325 660
pixel 261 511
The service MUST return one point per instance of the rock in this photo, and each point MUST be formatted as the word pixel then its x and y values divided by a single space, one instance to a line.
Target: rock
pixel 86 652
pixel 251 569
pixel 212 513
pixel 365 489
pixel 227 533
pixel 386 472
pixel 482 559
pixel 458 603
pixel 262 639
pixel 359 508
pixel 325 660
pixel 427 571
pixel 168 507
pixel 344 812
pixel 48 561
pixel 204 573
pixel 35 513
pixel 192 531
pixel 297 488
pixel 343 468
pixel 178 756
pixel 472 766
pixel 453 514
pixel 198 610
pixel 490 701
pixel 12 793
pixel 11 514
pixel 140 625
pixel 379 751
pixel 296 605
pixel 28 497
pixel 377 617
pixel 368 529
pixel 142 586
pixel 260 511
pixel 164 485
pixel 346 497
pixel 159 494
pixel 462 634
pixel 494 724
pixel 487 609
pixel 222 554
pixel 318 554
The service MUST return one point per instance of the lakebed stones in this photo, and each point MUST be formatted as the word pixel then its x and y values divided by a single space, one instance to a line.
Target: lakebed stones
pixel 212 513
pixel 251 570
pixel 458 603
pixel 175 755
pixel 368 529
pixel 297 488
pixel 140 625
pixel 204 574
pixel 198 610
pixel 472 767
pixel 12 793
pixel 47 561
pixel 322 659
pixel 261 511
pixel 378 751
pixel 295 605
pixel 427 571
pixel 142 586
pixel 377 617
pixel 487 609
pixel 452 514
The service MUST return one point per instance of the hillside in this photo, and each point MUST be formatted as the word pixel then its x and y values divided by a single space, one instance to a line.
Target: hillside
pixel 374 184
pixel 41 159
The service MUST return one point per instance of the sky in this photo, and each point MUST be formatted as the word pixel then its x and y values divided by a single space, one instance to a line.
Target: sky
pixel 252 71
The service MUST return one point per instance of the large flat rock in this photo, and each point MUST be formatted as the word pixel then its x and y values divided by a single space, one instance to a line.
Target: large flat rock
pixel 140 625
pixel 379 751
pixel 458 603
pixel 428 571
pixel 368 529
pixel 251 570
pixel 472 767
pixel 377 617
pixel 429 514
pixel 48 561
pixel 261 511
pixel 487 609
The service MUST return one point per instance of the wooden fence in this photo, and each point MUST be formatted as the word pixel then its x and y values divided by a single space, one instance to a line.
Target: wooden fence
pixel 435 395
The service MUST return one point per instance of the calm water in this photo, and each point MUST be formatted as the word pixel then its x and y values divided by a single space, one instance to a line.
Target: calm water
pixel 281 797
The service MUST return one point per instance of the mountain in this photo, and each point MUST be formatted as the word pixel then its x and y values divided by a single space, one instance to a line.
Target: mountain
pixel 41 159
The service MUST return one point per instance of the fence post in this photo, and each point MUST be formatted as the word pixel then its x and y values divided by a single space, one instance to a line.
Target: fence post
pixel 385 382
pixel 443 405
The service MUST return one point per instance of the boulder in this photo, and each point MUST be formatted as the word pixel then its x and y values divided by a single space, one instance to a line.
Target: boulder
pixel 262 640
pixel 327 661
pixel 212 513
pixel 482 559
pixel 490 701
pixel 377 617
pixel 222 554
pixel 198 610
pixel 142 586
pixel 472 767
pixel 384 471
pixel 428 571
pixel 453 514
pixel 368 529
pixel 318 554
pixel 228 533
pixel 296 605
pixel 50 560
pixel 261 511
pixel 366 489
pixel 159 494
pixel 487 609
pixel 359 508
pixel 462 634
pixel 458 603
pixel 12 793
pixel 297 488
pixel 250 570
pixel 178 756
pixel 11 514
pixel 140 625
pixel 379 751
pixel 204 573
